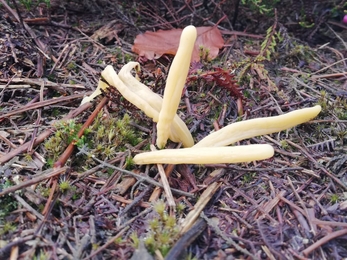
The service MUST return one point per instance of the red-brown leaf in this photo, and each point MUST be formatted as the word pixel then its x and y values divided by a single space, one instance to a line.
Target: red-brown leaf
pixel 152 45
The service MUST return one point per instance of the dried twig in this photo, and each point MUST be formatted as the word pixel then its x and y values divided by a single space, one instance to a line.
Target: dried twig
pixel 307 154
pixel 49 174
pixel 165 183
pixel 41 104
pixel 42 136
pixel 324 240
pixel 136 176
pixel 199 206
pixel 228 239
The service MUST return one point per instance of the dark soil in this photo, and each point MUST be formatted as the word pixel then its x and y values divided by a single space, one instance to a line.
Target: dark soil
pixel 93 203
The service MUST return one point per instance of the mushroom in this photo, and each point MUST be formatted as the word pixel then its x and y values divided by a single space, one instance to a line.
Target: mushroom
pixel 169 124
pixel 178 131
pixel 207 155
pixel 112 79
pixel 101 86
pixel 258 126
pixel 212 149
pixel 146 100
pixel 175 83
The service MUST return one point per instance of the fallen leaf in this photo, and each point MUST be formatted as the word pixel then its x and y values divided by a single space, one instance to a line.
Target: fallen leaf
pixel 152 45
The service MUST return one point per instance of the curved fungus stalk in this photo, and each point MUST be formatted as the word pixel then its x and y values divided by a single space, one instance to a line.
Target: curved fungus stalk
pixel 175 82
pixel 178 131
pixel 143 98
pixel 112 78
pixel 213 148
pixel 101 86
pixel 259 126
pixel 207 155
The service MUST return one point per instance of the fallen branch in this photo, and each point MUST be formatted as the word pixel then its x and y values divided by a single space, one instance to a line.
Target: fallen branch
pixel 324 240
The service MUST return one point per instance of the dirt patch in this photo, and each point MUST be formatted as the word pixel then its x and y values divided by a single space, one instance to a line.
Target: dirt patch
pixel 69 188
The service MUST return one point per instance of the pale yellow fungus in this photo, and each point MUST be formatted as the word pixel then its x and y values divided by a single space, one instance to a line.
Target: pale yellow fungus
pixel 175 83
pixel 136 86
pixel 213 148
pixel 207 155
pixel 258 126
pixel 178 131
pixel 143 98
pixel 101 85
pixel 112 78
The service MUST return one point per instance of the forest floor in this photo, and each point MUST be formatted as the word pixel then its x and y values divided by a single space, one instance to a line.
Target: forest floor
pixel 69 188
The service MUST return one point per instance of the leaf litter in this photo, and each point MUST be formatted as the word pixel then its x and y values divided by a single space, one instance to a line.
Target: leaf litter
pixel 290 206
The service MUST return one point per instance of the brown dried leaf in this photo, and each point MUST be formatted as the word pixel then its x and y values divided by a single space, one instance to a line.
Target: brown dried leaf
pixel 152 45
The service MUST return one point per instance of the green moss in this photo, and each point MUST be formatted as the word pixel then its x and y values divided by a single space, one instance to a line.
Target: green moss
pixel 28 157
pixel 267 51
pixel 261 6
pixel 44 191
pixel 7 203
pixel 246 93
pixel 66 132
pixel 163 231
pixel 118 240
pixel 284 144
pixel 64 186
pixel 334 198
pixel 103 139
pixel 129 163
pixel 71 66
pixel 135 240
pixel 159 207
pixel 7 227
pixel 180 208
pixel 248 177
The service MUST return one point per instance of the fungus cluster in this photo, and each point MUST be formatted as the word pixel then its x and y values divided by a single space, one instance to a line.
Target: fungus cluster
pixel 215 147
